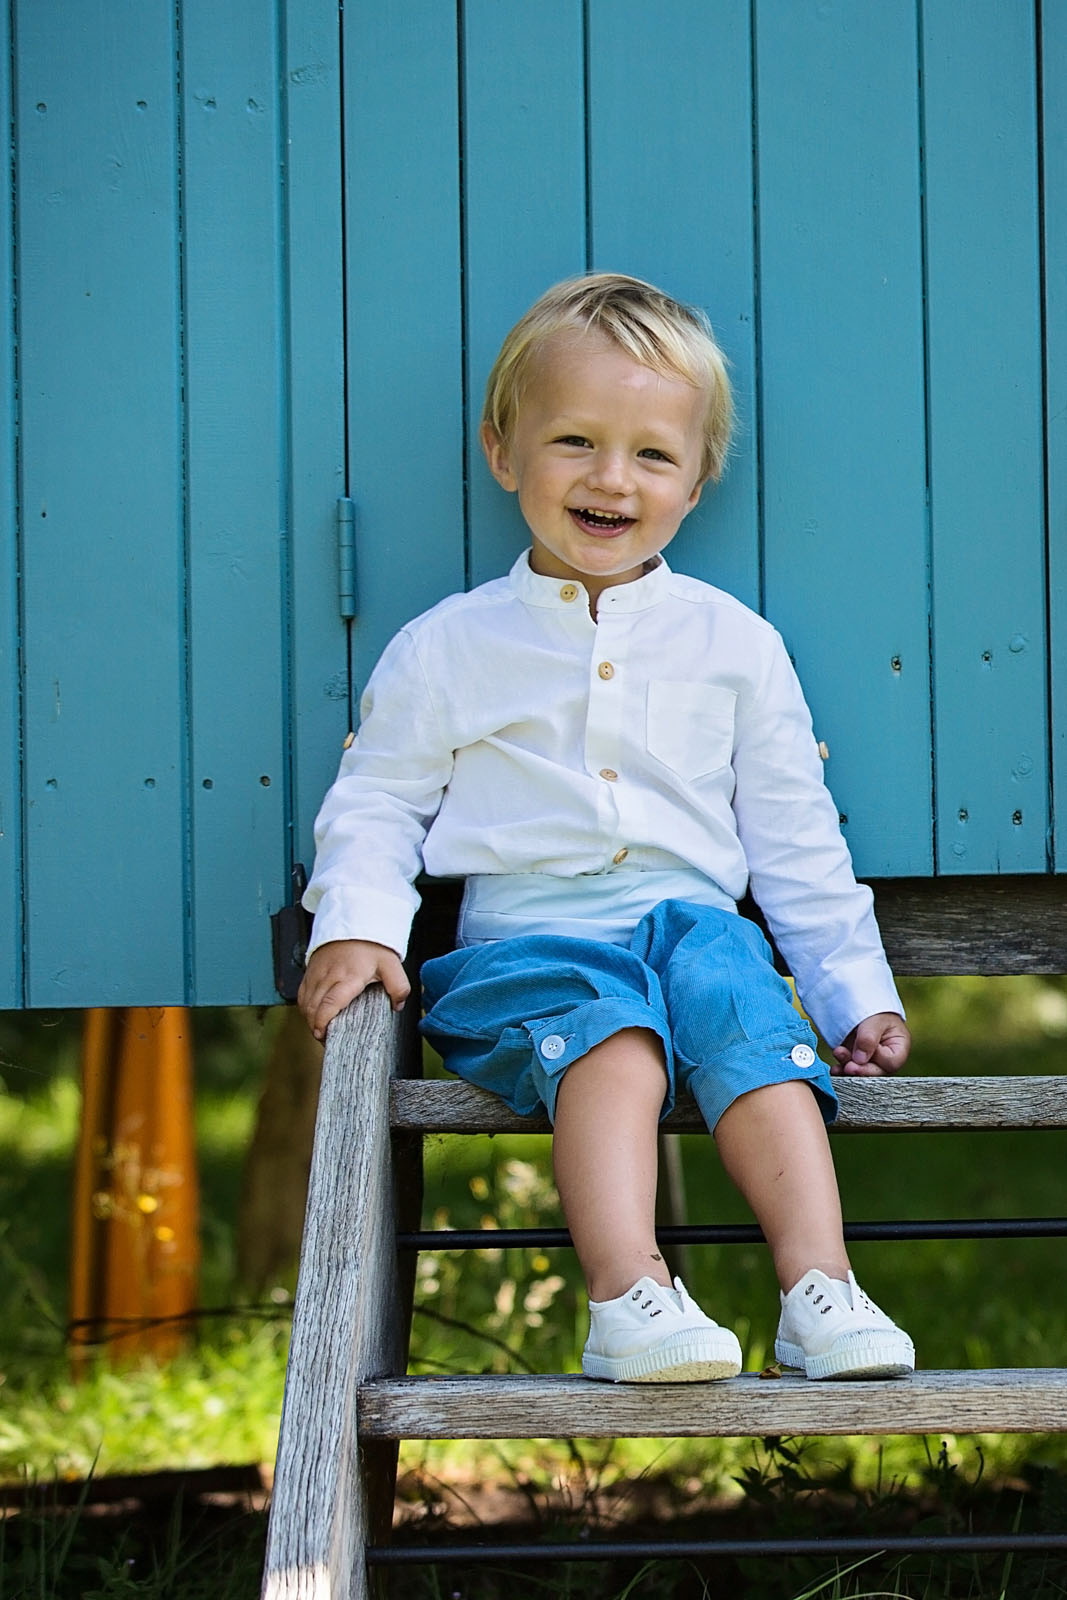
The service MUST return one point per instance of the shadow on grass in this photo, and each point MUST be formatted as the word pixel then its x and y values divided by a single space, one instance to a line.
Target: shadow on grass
pixel 192 1536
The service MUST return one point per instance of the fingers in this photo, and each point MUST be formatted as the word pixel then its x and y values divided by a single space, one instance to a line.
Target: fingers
pixel 393 979
pixel 338 972
pixel 321 1001
pixel 877 1046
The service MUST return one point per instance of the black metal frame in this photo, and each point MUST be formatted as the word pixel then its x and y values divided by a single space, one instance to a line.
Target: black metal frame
pixel 689 1549
pixel 740 1233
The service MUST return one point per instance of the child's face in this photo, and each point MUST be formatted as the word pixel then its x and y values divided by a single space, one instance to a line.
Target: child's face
pixel 605 459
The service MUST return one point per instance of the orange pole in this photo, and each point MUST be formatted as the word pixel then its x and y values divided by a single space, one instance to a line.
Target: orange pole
pixel 135 1251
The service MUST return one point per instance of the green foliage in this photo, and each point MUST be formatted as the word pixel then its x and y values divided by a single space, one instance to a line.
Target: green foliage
pixel 967 1303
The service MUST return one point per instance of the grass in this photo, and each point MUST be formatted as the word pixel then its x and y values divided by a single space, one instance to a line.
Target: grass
pixel 968 1303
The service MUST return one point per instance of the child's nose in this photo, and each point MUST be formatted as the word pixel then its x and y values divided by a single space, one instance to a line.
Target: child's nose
pixel 610 470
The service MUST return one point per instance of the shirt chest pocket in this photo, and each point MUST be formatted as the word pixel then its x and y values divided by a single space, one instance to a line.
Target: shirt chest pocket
pixel 690 727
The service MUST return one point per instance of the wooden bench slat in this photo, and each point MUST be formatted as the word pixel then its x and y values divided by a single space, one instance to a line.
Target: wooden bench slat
pixel 988 926
pixel 1005 1400
pixel 868 1105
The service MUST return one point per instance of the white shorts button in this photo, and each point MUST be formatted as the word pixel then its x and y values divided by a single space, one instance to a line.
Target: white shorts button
pixel 552 1047
pixel 801 1055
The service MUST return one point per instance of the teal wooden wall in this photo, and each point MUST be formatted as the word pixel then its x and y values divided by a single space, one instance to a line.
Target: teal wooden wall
pixel 176 668
pixel 261 256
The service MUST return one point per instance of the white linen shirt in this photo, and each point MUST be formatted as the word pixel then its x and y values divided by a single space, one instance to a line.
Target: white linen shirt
pixel 507 732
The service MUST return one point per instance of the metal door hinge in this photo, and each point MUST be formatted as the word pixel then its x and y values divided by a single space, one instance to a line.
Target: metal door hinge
pixel 290 932
pixel 346 557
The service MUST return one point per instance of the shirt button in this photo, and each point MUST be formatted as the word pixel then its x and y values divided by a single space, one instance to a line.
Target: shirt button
pixel 606 670
pixel 552 1047
pixel 569 592
pixel 802 1055
pixel 609 773
pixel 620 856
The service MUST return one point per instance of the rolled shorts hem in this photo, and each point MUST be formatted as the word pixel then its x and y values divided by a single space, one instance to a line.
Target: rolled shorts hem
pixel 716 1087
pixel 581 1030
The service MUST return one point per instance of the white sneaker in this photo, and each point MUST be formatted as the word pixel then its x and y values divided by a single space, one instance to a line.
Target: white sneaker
pixel 652 1334
pixel 832 1330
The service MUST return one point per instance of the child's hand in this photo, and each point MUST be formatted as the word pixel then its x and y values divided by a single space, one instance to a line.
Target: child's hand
pixel 878 1045
pixel 339 971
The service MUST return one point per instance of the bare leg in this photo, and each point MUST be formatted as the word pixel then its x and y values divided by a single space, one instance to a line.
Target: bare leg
pixel 773 1145
pixel 605 1157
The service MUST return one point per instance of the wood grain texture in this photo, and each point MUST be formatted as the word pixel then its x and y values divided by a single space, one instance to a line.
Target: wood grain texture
pixel 843 445
pixel 404 323
pixel 992 926
pixel 868 1105
pixel 235 381
pixel 524 211
pixel 102 558
pixel 984 337
pixel 346 1322
pixel 1005 1400
pixel 10 808
pixel 1054 148
pixel 314 245
pixel 664 123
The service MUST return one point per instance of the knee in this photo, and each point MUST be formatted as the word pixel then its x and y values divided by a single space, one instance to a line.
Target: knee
pixel 630 1062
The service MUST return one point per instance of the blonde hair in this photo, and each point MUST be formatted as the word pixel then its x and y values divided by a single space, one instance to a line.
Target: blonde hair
pixel 673 339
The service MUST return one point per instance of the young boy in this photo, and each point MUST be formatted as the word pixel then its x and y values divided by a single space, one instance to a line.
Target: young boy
pixel 610 754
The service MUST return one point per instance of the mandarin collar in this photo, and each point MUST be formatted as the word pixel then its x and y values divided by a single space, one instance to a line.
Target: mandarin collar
pixel 563 594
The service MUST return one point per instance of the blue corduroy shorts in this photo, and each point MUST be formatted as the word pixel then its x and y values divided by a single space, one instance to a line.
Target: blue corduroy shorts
pixel 512 1015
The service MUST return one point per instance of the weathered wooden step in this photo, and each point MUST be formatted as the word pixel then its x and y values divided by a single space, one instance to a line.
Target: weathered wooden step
pixel 1004 1400
pixel 868 1105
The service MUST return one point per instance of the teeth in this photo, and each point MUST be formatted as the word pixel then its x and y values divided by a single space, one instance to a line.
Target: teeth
pixel 603 518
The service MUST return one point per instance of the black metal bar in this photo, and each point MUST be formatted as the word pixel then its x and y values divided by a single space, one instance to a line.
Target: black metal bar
pixel 688 1549
pixel 740 1233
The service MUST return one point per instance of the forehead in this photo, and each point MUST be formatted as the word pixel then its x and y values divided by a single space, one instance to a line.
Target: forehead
pixel 572 371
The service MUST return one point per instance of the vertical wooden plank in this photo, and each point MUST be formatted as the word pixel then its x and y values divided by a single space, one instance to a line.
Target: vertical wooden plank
pixel 102 496
pixel 235 398
pixel 843 416
pixel 1054 116
pixel 986 448
pixel 670 134
pixel 10 764
pixel 524 210
pixel 405 361
pixel 318 712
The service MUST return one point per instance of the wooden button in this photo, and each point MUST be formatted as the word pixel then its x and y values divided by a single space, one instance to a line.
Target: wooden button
pixel 350 740
pixel 569 591
pixel 609 773
pixel 620 856
pixel 606 670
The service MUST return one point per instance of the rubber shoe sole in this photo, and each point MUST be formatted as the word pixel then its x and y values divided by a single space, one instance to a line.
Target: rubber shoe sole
pixel 683 1360
pixel 854 1355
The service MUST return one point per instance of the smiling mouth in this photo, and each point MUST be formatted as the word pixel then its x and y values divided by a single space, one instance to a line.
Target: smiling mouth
pixel 600 521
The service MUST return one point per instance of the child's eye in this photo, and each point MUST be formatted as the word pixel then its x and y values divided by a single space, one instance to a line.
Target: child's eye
pixel 572 438
pixel 655 455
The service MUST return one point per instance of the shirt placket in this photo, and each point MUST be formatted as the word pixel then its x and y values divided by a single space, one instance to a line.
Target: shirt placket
pixel 605 744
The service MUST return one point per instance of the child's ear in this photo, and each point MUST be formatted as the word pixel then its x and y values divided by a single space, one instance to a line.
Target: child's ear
pixel 695 496
pixel 498 457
